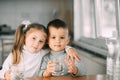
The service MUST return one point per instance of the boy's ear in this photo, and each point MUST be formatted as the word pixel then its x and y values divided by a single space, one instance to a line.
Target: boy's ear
pixel 68 40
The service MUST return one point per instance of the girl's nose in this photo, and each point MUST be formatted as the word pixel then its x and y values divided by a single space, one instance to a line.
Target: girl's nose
pixel 36 43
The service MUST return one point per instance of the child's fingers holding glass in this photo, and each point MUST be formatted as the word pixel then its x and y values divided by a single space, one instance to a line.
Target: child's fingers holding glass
pixel 7 75
pixel 72 69
pixel 69 62
pixel 50 66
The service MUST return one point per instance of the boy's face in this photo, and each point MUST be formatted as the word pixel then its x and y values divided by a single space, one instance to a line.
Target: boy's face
pixel 58 38
pixel 35 40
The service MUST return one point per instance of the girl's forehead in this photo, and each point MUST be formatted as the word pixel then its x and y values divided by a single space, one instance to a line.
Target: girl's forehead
pixel 36 31
pixel 33 29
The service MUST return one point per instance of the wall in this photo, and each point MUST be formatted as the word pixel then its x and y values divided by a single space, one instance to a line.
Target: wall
pixel 13 12
pixel 94 64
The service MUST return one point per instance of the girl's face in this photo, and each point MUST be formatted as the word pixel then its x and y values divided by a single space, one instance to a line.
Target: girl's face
pixel 35 40
pixel 58 38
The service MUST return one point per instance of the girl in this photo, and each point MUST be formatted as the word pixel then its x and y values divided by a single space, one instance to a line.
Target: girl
pixel 27 50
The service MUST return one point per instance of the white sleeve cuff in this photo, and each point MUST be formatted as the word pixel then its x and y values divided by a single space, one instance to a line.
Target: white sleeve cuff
pixel 67 48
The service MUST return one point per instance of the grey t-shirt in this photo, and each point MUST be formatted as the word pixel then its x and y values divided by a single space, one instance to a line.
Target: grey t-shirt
pixel 62 55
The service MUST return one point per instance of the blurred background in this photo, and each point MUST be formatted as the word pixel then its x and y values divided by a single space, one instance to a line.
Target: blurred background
pixel 90 22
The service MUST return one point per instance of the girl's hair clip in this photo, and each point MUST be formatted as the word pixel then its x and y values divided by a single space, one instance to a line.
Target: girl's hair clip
pixel 26 23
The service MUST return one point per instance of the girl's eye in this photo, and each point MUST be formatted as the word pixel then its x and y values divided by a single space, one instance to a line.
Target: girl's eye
pixel 53 37
pixel 33 38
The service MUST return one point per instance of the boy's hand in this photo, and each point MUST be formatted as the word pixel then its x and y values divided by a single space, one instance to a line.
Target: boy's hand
pixel 49 70
pixel 71 68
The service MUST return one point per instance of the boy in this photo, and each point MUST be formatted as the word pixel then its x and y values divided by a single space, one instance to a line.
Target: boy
pixel 58 38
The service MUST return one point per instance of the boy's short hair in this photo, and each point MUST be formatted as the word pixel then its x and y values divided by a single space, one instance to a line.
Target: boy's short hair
pixel 57 23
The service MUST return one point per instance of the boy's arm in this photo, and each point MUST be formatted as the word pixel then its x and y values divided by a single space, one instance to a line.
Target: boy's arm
pixel 43 69
pixel 81 68
pixel 76 68
pixel 49 69
pixel 71 67
pixel 46 74
pixel 72 53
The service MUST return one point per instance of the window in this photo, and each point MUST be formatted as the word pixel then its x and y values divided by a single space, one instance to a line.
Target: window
pixel 96 20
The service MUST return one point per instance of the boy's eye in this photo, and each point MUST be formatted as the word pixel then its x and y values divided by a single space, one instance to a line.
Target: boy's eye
pixel 62 37
pixel 41 41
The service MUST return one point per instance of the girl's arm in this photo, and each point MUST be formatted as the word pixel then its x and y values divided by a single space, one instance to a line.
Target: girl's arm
pixel 7 75
pixel 5 67
pixel 72 53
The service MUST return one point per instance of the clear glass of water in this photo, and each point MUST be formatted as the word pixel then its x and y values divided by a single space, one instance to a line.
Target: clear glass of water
pixel 17 72
pixel 58 67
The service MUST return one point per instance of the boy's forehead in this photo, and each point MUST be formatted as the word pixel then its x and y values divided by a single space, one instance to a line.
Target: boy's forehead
pixel 58 31
pixel 57 27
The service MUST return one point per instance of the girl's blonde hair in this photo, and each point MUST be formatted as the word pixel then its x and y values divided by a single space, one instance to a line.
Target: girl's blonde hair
pixel 19 39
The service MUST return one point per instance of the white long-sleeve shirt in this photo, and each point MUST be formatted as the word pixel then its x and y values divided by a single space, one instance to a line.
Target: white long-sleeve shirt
pixel 30 61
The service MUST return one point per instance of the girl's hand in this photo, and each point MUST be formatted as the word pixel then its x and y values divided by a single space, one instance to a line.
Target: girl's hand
pixel 71 68
pixel 72 54
pixel 7 75
pixel 49 70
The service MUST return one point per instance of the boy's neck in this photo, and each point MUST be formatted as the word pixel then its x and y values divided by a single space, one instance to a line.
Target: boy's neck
pixel 62 51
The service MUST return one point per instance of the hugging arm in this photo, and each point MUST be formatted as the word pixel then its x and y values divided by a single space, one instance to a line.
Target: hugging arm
pixel 72 53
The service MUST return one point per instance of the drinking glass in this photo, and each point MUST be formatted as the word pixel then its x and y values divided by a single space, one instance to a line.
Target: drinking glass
pixel 58 67
pixel 17 72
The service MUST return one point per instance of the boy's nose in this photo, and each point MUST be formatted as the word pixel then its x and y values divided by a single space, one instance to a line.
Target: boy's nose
pixel 57 40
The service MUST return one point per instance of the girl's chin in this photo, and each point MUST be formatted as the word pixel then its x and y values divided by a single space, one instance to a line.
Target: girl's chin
pixel 34 51
pixel 31 50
